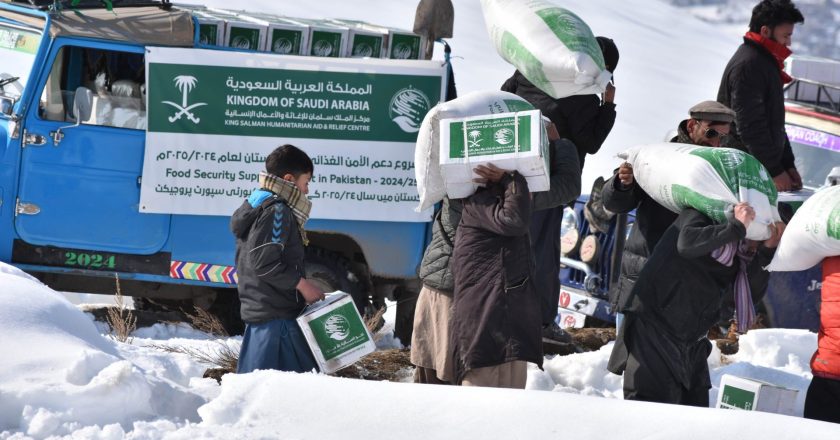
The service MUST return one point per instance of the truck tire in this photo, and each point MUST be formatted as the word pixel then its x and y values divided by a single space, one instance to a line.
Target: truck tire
pixel 330 272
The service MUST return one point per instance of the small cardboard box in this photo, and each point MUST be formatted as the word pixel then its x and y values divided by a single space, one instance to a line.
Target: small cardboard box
pixel 753 395
pixel 364 40
pixel 326 39
pixel 821 70
pixel 286 36
pixel 211 30
pixel 335 332
pixel 241 31
pixel 511 141
pixel 405 45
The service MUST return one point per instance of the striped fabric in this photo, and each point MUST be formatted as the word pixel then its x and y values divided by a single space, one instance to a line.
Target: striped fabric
pixel 214 273
pixel 297 201
pixel 744 309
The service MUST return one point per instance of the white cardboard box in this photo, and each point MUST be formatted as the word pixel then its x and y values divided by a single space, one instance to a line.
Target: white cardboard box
pixel 815 69
pixel 335 332
pixel 511 141
pixel 753 395
pixel 211 30
pixel 241 31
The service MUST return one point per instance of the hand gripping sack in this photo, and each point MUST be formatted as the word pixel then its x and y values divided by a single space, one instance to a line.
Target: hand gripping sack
pixel 430 183
pixel 550 46
pixel 812 234
pixel 710 180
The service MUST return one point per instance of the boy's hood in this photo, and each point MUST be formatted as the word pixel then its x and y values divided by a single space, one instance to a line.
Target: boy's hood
pixel 246 215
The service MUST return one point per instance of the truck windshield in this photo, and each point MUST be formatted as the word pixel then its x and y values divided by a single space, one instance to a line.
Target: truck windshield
pixel 816 153
pixel 18 48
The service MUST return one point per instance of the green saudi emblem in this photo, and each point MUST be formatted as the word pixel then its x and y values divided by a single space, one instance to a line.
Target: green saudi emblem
pixel 407 109
pixel 185 84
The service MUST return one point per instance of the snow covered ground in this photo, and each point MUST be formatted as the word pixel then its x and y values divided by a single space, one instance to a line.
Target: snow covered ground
pixel 61 376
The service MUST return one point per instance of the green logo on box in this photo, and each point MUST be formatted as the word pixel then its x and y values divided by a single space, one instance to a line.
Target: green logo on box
pixel 285 41
pixel 244 38
pixel 208 34
pixel 738 398
pixel 325 44
pixel 339 331
pixel 489 136
pixel 367 46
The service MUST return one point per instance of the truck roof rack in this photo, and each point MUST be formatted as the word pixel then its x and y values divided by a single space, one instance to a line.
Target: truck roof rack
pixel 45 5
pixel 817 95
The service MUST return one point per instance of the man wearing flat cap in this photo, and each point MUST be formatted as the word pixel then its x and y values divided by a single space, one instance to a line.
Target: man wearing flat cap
pixel 708 123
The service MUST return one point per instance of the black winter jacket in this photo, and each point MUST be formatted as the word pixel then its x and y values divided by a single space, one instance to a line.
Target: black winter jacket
pixel 652 219
pixel 680 291
pixel 582 119
pixel 496 317
pixel 752 86
pixel 435 270
pixel 269 258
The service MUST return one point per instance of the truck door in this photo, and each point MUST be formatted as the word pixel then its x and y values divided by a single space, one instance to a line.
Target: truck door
pixel 80 185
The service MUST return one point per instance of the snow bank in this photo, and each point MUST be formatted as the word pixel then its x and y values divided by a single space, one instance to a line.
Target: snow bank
pixel 58 372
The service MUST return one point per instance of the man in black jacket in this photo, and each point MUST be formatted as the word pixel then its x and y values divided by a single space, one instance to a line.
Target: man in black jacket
pixel 752 86
pixel 708 125
pixel 585 120
pixel 662 346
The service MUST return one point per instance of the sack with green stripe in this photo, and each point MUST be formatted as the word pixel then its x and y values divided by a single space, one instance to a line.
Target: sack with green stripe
pixel 549 45
pixel 812 234
pixel 430 183
pixel 708 179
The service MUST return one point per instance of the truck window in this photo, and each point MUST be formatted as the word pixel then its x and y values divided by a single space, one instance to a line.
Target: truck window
pixel 18 48
pixel 112 83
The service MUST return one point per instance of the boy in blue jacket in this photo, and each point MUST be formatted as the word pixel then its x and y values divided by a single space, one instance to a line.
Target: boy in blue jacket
pixel 270 240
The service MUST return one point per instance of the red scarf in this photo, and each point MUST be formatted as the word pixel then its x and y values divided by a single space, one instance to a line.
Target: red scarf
pixel 779 52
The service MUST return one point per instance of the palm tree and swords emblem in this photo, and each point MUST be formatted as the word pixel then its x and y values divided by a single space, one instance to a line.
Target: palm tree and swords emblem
pixel 185 83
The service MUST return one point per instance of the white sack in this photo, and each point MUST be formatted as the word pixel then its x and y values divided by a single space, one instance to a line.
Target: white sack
pixel 812 234
pixel 430 184
pixel 549 45
pixel 710 180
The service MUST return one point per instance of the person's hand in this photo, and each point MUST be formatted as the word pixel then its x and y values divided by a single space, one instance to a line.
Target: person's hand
pixel 609 93
pixel 778 229
pixel 309 292
pixel 795 178
pixel 783 182
pixel 553 134
pixel 625 174
pixel 488 173
pixel 744 213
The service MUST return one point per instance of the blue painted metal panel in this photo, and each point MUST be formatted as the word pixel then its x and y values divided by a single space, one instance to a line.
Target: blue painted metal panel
pixel 87 187
pixel 122 275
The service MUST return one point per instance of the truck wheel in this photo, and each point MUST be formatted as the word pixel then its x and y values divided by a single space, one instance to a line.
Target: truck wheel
pixel 330 272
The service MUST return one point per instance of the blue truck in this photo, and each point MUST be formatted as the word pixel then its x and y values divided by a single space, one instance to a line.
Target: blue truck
pixel 70 180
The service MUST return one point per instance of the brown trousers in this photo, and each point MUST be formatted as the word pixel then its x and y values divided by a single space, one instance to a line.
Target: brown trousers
pixel 508 375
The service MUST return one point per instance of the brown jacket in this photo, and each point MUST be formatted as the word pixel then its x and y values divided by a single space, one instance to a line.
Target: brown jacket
pixel 496 309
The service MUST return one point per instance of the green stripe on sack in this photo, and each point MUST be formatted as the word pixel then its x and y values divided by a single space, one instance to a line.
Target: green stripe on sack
pixel 517 106
pixel 527 63
pixel 572 32
pixel 833 227
pixel 739 170
pixel 685 197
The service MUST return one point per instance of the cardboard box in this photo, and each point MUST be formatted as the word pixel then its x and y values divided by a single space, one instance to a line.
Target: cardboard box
pixel 405 45
pixel 326 39
pixel 753 395
pixel 364 40
pixel 211 30
pixel 241 31
pixel 821 70
pixel 511 141
pixel 335 332
pixel 286 36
